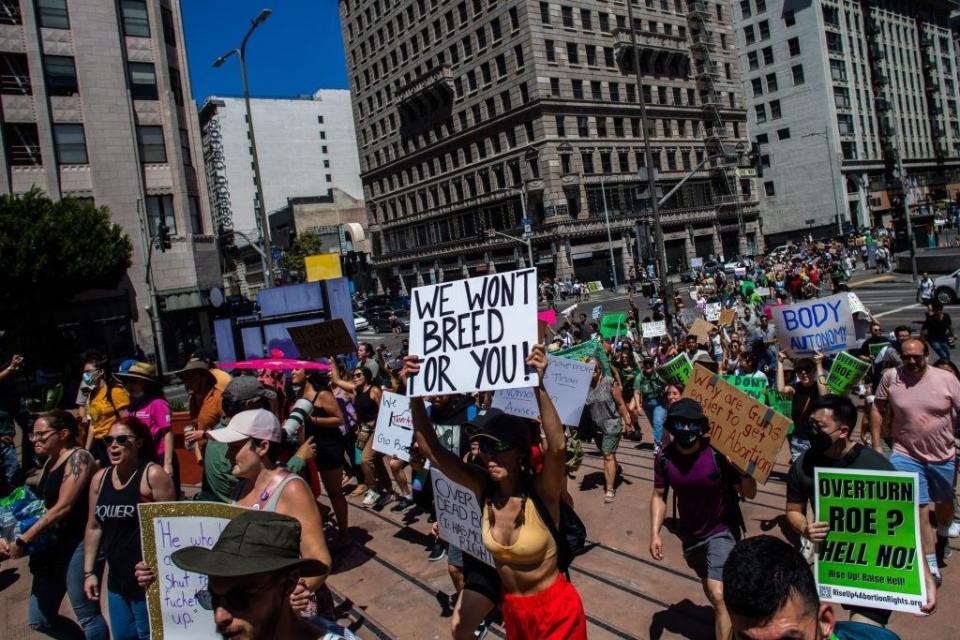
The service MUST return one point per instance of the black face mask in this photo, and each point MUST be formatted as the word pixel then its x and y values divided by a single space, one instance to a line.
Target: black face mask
pixel 820 441
pixel 686 438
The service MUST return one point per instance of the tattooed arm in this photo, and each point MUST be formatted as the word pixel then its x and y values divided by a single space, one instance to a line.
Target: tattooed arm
pixel 76 478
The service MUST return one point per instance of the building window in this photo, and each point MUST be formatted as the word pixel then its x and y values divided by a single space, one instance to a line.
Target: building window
pixel 761 112
pixel 185 147
pixel 772 82
pixel 10 12
pixel 798 74
pixel 789 18
pixel 577 86
pixel 583 127
pixel 134 16
pixel 764 29
pixel 586 159
pixel 566 14
pixel 544 13
pixel 15 79
pixel 768 188
pixel 71 144
pixel 52 14
pixel 196 220
pixel 761 6
pixel 753 60
pixel 143 81
pixel 169 32
pixel 585 20
pixel 61 76
pixel 150 140
pixel 745 8
pixel 555 87
pixel 775 113
pixel 22 141
pixel 794 45
pixel 551 54
pixel 783 134
pixel 175 87
pixel 748 34
pixel 561 127
pixel 160 209
pixel 573 57
pixel 767 55
pixel 757 85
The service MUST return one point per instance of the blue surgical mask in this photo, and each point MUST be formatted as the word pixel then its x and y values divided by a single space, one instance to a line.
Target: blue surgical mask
pixel 90 378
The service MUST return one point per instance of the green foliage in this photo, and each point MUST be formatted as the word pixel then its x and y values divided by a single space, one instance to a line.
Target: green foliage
pixel 306 244
pixel 51 251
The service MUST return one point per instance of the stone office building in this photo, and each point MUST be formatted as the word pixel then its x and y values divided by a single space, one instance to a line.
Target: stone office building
pixel 470 113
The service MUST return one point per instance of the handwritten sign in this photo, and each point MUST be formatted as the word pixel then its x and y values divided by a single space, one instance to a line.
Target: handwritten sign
pixel 394 431
pixel 166 527
pixel 322 339
pixel 654 329
pixel 808 326
pixel 845 372
pixel 474 334
pixel 585 351
pixel 739 271
pixel 696 263
pixel 701 328
pixel 597 312
pixel 676 370
pixel 741 428
pixel 566 381
pixel 727 317
pixel 712 311
pixel 753 386
pixel 460 516
pixel 856 306
pixel 872 555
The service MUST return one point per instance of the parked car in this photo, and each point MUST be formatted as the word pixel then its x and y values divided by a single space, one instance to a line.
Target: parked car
pixel 380 321
pixel 360 323
pixel 710 267
pixel 737 263
pixel 946 287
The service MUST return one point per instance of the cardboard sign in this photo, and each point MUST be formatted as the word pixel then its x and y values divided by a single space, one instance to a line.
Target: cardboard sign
pixel 753 386
pixel 567 382
pixel 394 432
pixel 597 312
pixel 460 516
pixel 613 325
pixel 741 428
pixel 822 324
pixel 164 528
pixel 712 311
pixel 586 350
pixel 845 372
pixel 676 370
pixel 654 329
pixel 727 317
pixel 474 334
pixel 701 328
pixel 856 306
pixel 872 556
pixel 322 339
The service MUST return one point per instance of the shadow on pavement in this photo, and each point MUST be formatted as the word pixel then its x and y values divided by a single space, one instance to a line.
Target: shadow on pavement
pixel 684 618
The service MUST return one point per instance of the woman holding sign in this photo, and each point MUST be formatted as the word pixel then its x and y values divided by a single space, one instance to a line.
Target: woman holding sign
pixel 537 600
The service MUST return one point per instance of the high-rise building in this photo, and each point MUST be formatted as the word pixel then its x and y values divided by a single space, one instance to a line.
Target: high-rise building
pixel 837 89
pixel 97 105
pixel 306 147
pixel 471 113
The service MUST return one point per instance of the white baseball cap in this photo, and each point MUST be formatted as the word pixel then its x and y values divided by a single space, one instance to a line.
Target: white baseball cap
pixel 255 423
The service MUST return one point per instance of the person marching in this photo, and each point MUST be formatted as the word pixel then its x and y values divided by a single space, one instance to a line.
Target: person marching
pixel 707 490
pixel 107 402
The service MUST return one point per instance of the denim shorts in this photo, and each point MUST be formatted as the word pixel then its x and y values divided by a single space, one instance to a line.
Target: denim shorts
pixel 936 478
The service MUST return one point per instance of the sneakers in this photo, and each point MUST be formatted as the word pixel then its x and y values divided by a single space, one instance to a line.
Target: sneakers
pixel 954 530
pixel 480 631
pixel 437 552
pixel 609 496
pixel 370 498
pixel 385 498
pixel 403 503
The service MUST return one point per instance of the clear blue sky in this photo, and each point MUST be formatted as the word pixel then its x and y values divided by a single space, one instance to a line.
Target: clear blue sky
pixel 295 52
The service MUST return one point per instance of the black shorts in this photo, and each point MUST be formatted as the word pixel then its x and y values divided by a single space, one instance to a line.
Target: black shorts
pixel 329 453
pixel 481 578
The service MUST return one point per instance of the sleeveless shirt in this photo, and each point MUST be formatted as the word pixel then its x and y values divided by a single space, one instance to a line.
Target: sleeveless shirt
pixel 69 530
pixel 116 511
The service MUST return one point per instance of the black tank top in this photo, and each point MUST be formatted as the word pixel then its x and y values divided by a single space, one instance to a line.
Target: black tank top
pixel 322 435
pixel 69 530
pixel 116 511
pixel 367 409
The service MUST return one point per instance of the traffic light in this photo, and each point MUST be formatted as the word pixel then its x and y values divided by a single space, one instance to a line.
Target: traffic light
pixel 163 237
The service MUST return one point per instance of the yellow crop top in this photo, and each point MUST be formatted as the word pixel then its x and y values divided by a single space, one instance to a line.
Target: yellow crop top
pixel 534 544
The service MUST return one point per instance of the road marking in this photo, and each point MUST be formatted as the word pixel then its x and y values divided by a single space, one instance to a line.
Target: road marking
pixel 897 310
pixel 871 280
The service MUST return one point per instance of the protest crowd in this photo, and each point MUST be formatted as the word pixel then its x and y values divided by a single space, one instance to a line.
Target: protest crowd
pixel 777 354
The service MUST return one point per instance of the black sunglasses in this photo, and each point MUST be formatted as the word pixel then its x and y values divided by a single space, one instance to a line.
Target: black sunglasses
pixel 120 440
pixel 494 446
pixel 236 599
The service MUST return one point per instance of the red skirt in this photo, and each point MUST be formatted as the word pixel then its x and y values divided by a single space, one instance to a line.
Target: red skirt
pixel 556 612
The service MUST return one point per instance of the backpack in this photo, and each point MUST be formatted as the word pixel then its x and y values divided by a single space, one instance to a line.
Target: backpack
pixel 731 498
pixel 570 535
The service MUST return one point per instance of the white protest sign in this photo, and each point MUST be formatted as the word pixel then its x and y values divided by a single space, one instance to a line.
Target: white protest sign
pixel 474 334
pixel 166 527
pixel 567 383
pixel 696 263
pixel 822 324
pixel 739 271
pixel 460 516
pixel 394 433
pixel 856 306
pixel 597 311
pixel 654 329
pixel 569 311
pixel 712 311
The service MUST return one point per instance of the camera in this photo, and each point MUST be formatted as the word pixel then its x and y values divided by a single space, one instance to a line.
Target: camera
pixel 302 409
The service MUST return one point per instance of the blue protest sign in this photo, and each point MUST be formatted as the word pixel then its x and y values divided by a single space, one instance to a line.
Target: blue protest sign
pixel 823 324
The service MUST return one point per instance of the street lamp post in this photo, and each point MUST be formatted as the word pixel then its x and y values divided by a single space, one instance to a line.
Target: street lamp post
pixel 606 216
pixel 527 233
pixel 262 214
pixel 833 175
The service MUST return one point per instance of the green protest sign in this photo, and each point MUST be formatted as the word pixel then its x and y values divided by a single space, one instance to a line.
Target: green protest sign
pixel 876 348
pixel 676 370
pixel 845 372
pixel 613 325
pixel 872 556
pixel 781 404
pixel 753 386
pixel 584 351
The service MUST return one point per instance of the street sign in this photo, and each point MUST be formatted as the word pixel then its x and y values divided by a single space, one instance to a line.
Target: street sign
pixel 526 222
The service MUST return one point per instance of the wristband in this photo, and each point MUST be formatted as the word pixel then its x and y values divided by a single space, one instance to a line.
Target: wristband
pixel 88 574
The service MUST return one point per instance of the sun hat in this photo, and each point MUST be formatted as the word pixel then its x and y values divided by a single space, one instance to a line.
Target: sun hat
pixel 139 371
pixel 253 542
pixel 494 424
pixel 259 424
pixel 194 367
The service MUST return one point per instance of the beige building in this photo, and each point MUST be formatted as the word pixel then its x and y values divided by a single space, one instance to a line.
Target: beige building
pixel 468 113
pixel 96 104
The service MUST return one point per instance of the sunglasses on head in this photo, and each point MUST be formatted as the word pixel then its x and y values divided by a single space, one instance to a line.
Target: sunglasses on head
pixel 236 599
pixel 494 446
pixel 120 440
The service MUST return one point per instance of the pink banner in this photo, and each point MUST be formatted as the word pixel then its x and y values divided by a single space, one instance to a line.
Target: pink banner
pixel 549 316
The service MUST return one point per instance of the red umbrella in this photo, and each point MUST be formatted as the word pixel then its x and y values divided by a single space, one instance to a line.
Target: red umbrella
pixel 275 364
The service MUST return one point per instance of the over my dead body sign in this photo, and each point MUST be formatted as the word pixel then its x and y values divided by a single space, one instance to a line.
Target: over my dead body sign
pixel 474 334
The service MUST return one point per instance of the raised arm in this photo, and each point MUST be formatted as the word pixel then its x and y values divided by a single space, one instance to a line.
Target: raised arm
pixel 554 476
pixel 821 377
pixel 782 387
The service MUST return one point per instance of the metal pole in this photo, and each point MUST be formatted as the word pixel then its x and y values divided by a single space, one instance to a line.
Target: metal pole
pixel 528 239
pixel 911 241
pixel 833 181
pixel 606 215
pixel 264 222
pixel 651 179
pixel 156 325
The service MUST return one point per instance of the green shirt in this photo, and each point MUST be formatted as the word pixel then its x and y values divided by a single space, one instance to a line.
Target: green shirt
pixel 218 479
pixel 648 386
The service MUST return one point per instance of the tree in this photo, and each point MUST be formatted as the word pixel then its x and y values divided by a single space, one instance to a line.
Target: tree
pixel 306 244
pixel 50 251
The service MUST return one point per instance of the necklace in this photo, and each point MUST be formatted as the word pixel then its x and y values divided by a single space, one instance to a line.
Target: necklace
pixel 269 489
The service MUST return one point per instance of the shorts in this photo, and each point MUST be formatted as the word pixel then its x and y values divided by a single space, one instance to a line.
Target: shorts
pixel 707 557
pixel 936 478
pixel 555 612
pixel 329 452
pixel 478 576
pixel 608 440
